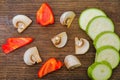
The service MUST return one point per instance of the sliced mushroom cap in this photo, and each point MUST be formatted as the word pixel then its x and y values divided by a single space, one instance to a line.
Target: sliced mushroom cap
pixel 72 62
pixel 21 22
pixel 67 18
pixel 32 56
pixel 81 46
pixel 60 40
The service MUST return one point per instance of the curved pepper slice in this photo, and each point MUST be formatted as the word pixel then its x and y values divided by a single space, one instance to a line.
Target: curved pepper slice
pixel 44 15
pixel 49 66
pixel 14 43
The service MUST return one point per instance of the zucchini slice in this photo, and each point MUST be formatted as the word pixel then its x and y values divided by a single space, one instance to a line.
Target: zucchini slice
pixel 100 71
pixel 99 24
pixel 109 54
pixel 87 15
pixel 107 38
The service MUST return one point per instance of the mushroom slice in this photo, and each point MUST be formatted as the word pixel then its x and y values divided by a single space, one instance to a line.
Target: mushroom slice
pixel 67 18
pixel 60 40
pixel 72 62
pixel 21 22
pixel 32 56
pixel 81 46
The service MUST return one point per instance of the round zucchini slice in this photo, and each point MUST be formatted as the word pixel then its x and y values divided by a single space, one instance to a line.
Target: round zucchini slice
pixel 99 24
pixel 87 15
pixel 109 54
pixel 100 71
pixel 107 38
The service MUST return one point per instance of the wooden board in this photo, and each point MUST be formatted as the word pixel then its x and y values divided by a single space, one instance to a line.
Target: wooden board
pixel 12 66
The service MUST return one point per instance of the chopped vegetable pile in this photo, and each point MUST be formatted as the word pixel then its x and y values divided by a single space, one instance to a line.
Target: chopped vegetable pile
pixel 93 21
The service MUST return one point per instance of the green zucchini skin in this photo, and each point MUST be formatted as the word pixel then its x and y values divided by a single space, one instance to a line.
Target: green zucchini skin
pixel 92 67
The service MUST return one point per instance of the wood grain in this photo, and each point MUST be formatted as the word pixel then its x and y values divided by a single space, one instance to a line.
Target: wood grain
pixel 12 66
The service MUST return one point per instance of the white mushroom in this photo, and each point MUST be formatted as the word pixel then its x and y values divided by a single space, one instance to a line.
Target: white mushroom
pixel 60 40
pixel 67 18
pixel 21 22
pixel 32 56
pixel 72 62
pixel 81 46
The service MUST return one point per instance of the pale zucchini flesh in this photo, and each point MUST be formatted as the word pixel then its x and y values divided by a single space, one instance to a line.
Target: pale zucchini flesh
pixel 87 15
pixel 99 24
pixel 100 71
pixel 109 54
pixel 107 38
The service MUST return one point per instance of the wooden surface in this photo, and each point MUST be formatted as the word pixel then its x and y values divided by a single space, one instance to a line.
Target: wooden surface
pixel 12 66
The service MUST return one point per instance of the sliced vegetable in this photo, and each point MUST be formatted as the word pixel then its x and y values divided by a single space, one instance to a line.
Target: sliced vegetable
pixel 67 18
pixel 60 40
pixel 14 43
pixel 32 56
pixel 21 22
pixel 100 28
pixel 88 15
pixel 109 54
pixel 49 66
pixel 72 62
pixel 100 71
pixel 99 24
pixel 44 15
pixel 107 38
pixel 81 46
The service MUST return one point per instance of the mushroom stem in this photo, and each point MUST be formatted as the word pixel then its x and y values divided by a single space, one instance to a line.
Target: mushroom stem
pixel 78 42
pixel 57 40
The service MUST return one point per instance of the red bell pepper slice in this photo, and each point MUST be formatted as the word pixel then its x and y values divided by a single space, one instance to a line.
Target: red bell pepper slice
pixel 44 15
pixel 49 66
pixel 14 43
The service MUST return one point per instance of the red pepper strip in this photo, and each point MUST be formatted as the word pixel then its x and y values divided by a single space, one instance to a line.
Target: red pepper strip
pixel 14 43
pixel 51 65
pixel 44 15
